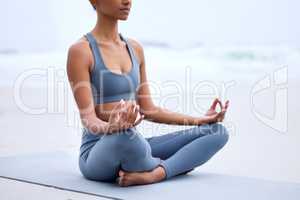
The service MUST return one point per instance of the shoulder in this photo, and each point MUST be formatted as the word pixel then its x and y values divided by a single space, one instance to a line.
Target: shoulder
pixel 79 48
pixel 138 48
pixel 80 52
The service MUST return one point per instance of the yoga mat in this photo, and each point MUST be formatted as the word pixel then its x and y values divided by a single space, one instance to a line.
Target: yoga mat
pixel 60 170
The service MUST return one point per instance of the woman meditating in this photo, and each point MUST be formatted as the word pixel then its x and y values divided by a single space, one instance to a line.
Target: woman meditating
pixel 107 74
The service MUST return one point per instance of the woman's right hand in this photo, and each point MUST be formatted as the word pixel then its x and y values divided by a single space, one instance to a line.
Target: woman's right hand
pixel 124 115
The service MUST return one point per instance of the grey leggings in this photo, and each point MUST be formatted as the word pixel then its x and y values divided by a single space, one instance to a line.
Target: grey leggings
pixel 101 157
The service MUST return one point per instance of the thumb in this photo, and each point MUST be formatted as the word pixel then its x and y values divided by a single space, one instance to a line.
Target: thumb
pixel 139 120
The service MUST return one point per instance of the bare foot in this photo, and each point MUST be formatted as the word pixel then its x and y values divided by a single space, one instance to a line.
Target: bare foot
pixel 141 178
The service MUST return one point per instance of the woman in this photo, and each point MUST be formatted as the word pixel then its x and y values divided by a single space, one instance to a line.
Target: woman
pixel 107 74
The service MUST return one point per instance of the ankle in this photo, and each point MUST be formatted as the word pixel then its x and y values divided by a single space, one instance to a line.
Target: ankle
pixel 159 174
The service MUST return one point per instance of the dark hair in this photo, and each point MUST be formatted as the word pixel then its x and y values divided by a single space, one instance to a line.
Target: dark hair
pixel 93 5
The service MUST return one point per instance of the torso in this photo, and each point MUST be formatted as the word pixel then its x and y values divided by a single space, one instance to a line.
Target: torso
pixel 119 62
pixel 103 110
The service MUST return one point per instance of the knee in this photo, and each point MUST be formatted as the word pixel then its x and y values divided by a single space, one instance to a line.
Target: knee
pixel 122 139
pixel 127 138
pixel 219 128
pixel 221 131
pixel 133 144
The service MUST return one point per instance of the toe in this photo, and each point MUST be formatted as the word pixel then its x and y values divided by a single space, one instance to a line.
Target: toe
pixel 121 173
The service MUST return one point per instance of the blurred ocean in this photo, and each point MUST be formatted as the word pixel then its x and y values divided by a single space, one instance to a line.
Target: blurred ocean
pixel 214 63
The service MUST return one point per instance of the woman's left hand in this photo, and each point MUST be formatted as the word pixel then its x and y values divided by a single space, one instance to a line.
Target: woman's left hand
pixel 212 116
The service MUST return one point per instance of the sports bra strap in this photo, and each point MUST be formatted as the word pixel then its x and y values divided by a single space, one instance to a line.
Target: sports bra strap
pixel 96 52
pixel 129 46
pixel 94 47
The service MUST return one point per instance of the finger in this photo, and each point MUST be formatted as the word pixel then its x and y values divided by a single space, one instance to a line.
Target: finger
pixel 138 107
pixel 127 125
pixel 138 116
pixel 221 105
pixel 223 111
pixel 130 111
pixel 117 108
pixel 219 114
pixel 226 104
pixel 139 120
pixel 125 106
pixel 123 126
pixel 222 114
pixel 135 114
pixel 214 104
pixel 222 117
pixel 119 105
pixel 114 117
pixel 123 116
pixel 114 113
pixel 123 110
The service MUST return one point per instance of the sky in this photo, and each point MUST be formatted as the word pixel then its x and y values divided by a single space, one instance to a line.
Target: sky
pixel 52 25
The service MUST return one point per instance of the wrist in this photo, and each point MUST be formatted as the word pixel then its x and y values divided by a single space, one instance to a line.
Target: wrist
pixel 96 125
pixel 202 120
pixel 98 129
pixel 193 121
pixel 107 128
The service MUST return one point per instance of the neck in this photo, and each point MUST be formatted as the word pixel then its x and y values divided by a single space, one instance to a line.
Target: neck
pixel 106 29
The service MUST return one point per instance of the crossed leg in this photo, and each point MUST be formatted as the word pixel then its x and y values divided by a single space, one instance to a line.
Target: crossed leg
pixel 180 152
pixel 183 150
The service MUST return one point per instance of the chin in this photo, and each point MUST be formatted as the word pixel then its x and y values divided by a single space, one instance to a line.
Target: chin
pixel 123 18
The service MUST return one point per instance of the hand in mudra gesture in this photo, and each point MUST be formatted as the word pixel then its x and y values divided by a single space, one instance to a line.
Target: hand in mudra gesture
pixel 212 116
pixel 124 115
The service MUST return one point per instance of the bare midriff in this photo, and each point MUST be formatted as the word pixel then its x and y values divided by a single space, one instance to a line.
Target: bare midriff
pixel 104 110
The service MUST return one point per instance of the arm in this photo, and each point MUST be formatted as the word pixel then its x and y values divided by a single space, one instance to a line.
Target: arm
pixel 153 112
pixel 78 62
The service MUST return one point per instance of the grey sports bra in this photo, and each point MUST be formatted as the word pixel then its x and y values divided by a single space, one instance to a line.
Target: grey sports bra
pixel 108 86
